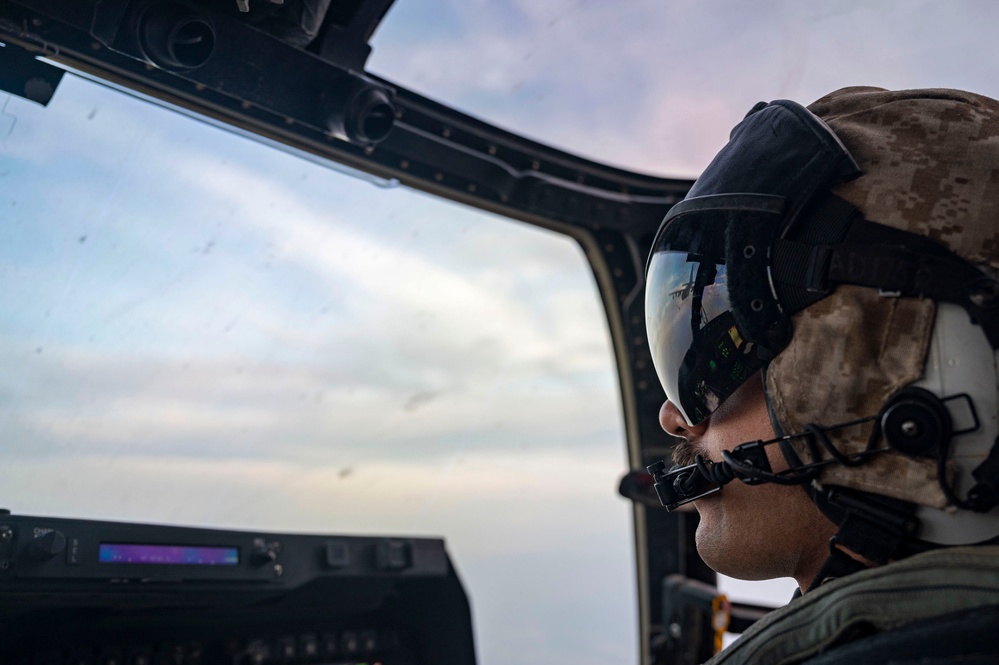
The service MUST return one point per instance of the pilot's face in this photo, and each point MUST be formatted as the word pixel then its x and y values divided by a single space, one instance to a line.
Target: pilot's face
pixel 750 532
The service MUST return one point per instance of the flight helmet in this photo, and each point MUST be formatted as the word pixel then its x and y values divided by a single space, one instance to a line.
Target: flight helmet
pixel 848 252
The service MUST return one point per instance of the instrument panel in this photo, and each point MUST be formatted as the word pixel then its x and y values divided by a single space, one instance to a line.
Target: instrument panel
pixel 87 592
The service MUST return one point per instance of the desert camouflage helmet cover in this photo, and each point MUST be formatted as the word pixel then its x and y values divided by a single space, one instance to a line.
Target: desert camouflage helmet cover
pixel 930 162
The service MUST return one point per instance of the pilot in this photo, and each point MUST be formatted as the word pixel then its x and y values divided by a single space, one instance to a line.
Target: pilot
pixel 823 314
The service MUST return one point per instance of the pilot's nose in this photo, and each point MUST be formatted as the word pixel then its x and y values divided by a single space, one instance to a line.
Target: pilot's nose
pixel 673 423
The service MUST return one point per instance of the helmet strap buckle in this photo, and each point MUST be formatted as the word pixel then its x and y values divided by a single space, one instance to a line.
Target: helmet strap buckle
pixel 838 564
pixel 873 527
pixel 984 496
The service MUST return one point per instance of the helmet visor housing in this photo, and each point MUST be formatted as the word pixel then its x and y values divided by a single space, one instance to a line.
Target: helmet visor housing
pixel 712 314
pixel 702 348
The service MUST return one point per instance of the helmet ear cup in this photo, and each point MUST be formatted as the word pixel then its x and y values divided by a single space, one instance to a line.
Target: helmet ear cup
pixel 916 422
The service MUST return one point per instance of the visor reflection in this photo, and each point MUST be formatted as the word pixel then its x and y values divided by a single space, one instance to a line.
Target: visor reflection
pixel 698 351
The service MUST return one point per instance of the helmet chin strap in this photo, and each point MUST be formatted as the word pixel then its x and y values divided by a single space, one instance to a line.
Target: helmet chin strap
pixel 838 564
pixel 877 528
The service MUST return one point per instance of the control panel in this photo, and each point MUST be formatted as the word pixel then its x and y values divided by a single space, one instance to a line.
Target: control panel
pixel 106 593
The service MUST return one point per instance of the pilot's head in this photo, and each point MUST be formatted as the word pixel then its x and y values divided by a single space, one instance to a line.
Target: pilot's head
pixel 831 278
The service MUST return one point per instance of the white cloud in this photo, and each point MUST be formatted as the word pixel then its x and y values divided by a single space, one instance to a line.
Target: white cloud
pixel 656 86
pixel 309 252
pixel 542 546
pixel 62 403
pixel 277 302
pixel 494 494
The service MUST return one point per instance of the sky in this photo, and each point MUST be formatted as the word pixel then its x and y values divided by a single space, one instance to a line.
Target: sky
pixel 199 329
pixel 656 86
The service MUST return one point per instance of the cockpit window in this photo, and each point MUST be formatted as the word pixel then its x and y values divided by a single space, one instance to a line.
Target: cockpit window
pixel 201 329
pixel 656 86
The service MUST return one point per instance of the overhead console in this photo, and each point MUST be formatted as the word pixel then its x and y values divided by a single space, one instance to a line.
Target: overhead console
pixel 104 593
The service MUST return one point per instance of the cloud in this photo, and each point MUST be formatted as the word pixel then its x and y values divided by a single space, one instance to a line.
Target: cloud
pixel 526 573
pixel 58 403
pixel 226 299
pixel 292 229
pixel 657 86
pixel 479 500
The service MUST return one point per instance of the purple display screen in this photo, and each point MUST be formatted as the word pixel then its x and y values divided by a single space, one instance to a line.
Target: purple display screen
pixel 170 555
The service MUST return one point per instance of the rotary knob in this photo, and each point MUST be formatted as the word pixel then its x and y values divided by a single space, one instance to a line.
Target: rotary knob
pixel 46 545
pixel 264 552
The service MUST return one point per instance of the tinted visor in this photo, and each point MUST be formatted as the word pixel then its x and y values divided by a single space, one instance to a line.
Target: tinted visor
pixel 709 303
pixel 699 353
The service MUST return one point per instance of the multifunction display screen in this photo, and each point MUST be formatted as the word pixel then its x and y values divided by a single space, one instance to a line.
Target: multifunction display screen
pixel 170 555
